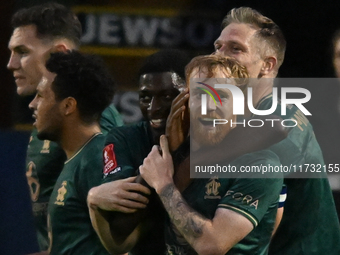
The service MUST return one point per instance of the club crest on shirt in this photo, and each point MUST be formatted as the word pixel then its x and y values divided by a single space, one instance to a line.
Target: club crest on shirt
pixel 212 189
pixel 46 147
pixel 61 194
pixel 33 181
pixel 110 162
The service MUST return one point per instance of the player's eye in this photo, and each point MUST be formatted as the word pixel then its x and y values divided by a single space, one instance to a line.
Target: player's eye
pixel 223 95
pixel 236 49
pixel 217 46
pixel 21 51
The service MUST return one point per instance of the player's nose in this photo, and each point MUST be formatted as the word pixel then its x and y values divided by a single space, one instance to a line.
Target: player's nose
pixel 33 104
pixel 211 104
pixel 154 106
pixel 13 63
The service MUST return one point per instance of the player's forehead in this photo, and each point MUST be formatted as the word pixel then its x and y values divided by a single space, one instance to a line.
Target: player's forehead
pixel 200 77
pixel 46 81
pixel 238 33
pixel 158 81
pixel 24 36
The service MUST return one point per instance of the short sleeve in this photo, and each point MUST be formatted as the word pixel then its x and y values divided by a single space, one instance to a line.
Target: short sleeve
pixel 125 149
pixel 118 163
pixel 252 197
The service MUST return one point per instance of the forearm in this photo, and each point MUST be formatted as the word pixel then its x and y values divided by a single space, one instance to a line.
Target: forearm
pixel 102 228
pixel 111 219
pixel 104 232
pixel 192 225
pixel 278 219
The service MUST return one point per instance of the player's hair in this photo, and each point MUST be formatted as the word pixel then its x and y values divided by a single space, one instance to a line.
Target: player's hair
pixel 168 60
pixel 85 78
pixel 52 20
pixel 209 64
pixel 267 31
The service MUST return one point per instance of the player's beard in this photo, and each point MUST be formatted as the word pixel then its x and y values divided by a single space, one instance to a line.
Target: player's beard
pixel 205 136
pixel 46 135
pixel 52 130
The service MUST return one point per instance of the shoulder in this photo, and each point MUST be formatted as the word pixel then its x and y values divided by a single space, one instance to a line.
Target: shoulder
pixel 110 118
pixel 258 167
pixel 133 132
pixel 92 152
pixel 258 157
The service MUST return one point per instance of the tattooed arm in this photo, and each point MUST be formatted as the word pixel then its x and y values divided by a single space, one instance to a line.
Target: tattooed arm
pixel 216 236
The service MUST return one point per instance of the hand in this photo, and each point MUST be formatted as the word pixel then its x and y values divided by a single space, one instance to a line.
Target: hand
pixel 178 122
pixel 121 195
pixel 157 170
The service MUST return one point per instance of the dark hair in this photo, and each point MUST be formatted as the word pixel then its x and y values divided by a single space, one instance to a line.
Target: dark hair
pixel 168 60
pixel 52 21
pixel 85 78
pixel 267 30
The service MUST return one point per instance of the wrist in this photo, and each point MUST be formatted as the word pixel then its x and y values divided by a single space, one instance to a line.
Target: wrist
pixel 160 187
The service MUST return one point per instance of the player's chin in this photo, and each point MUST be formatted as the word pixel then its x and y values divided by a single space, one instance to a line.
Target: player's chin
pixel 157 132
pixel 23 91
pixel 43 134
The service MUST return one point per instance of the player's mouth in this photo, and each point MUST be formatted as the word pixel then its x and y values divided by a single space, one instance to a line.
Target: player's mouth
pixel 18 78
pixel 207 121
pixel 34 116
pixel 157 123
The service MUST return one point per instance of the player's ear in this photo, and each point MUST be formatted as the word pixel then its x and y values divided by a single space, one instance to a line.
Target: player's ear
pixel 69 106
pixel 269 65
pixel 60 47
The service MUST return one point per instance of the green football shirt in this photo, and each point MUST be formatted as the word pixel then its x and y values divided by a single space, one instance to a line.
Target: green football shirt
pixel 310 224
pixel 70 228
pixel 44 162
pixel 126 148
pixel 256 199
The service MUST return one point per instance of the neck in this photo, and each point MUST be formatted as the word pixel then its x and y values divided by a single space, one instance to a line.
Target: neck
pixel 74 136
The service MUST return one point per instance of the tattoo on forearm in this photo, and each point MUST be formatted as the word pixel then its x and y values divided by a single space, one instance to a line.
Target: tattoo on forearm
pixel 187 221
